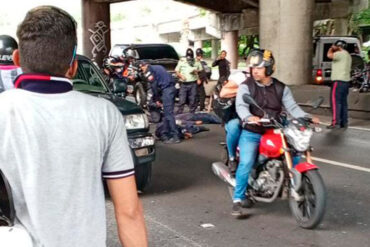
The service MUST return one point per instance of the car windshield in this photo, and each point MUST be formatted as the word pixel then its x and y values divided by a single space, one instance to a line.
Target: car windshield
pixel 87 79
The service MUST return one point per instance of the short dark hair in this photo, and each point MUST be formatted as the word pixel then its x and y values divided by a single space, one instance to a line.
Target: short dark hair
pixel 47 41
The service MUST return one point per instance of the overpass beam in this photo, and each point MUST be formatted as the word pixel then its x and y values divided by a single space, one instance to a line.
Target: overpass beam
pixel 96 30
pixel 286 29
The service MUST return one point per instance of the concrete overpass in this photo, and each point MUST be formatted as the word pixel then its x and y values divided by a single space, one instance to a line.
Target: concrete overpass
pixel 284 26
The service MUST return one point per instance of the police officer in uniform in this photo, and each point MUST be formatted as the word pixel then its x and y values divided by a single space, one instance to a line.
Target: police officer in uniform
pixel 8 71
pixel 163 89
pixel 187 70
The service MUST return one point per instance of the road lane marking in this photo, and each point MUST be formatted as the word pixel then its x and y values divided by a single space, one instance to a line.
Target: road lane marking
pixel 335 163
pixel 349 127
pixel 186 239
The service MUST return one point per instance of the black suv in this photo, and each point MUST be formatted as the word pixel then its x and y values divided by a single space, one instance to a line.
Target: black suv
pixel 155 54
pixel 90 80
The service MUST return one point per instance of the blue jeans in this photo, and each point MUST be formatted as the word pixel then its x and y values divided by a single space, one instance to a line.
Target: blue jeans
pixel 248 145
pixel 233 130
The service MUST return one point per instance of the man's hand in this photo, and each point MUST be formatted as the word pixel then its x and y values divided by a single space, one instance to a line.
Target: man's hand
pixel 254 119
pixel 182 78
pixel 199 82
pixel 315 120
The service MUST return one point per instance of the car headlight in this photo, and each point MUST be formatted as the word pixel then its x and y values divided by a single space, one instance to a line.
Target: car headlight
pixel 136 121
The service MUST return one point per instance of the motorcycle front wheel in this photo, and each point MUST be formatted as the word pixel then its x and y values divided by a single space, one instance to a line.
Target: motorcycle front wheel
pixel 310 209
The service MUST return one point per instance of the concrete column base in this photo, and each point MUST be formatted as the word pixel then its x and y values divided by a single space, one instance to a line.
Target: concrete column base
pixel 230 44
pixel 96 30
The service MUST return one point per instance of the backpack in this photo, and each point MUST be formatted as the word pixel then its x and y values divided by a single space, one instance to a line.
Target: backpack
pixel 207 70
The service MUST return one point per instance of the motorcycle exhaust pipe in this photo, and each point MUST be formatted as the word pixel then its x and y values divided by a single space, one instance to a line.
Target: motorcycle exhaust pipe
pixel 222 171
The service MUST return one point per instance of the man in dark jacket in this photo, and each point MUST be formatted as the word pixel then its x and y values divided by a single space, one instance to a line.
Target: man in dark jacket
pixel 272 95
pixel 223 67
pixel 163 88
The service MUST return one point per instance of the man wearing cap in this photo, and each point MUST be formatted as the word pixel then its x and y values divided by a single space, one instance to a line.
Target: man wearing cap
pixel 8 71
pixel 163 88
pixel 187 70
pixel 340 77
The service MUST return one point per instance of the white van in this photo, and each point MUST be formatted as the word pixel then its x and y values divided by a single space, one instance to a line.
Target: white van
pixel 321 64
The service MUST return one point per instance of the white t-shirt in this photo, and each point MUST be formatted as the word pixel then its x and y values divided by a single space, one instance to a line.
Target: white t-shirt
pixel 54 150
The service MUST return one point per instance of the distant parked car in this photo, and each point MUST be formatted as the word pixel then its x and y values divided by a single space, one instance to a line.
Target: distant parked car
pixel 322 64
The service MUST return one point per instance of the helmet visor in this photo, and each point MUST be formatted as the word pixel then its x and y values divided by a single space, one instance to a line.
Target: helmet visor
pixel 255 59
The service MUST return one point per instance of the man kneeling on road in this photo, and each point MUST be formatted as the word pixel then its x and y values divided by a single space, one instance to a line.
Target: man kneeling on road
pixel 58 143
pixel 272 95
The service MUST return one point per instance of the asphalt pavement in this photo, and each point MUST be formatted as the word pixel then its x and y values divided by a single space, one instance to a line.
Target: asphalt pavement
pixel 186 205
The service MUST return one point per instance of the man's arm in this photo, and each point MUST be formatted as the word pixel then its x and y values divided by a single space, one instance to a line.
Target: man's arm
pixel 331 52
pixel 242 108
pixel 128 211
pixel 291 105
pixel 215 63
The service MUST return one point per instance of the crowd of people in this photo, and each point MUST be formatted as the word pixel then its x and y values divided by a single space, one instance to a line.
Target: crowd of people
pixel 44 123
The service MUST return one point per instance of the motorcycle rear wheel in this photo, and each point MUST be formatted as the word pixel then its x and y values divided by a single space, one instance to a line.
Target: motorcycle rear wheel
pixel 310 211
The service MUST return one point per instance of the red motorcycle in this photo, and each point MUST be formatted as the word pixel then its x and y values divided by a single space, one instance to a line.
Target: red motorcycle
pixel 274 174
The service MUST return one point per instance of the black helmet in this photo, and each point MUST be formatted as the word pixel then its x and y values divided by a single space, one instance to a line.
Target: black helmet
pixel 341 43
pixel 7 46
pixel 261 58
pixel 199 52
pixel 189 53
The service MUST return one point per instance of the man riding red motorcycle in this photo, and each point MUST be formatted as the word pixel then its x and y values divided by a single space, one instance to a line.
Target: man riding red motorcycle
pixel 272 96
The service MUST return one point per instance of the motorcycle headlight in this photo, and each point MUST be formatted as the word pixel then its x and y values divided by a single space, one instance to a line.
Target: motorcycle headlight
pixel 299 139
pixel 136 121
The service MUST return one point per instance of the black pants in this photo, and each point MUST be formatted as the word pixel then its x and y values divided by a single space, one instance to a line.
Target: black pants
pixel 338 101
pixel 188 91
pixel 201 96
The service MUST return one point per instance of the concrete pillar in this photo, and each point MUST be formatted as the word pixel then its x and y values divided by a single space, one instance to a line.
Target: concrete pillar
pixel 229 43
pixel 341 26
pixel 286 29
pixel 215 46
pixel 96 30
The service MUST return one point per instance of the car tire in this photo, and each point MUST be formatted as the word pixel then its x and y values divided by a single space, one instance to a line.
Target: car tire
pixel 143 176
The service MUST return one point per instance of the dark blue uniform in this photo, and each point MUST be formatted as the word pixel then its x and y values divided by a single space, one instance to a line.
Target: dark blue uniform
pixel 163 88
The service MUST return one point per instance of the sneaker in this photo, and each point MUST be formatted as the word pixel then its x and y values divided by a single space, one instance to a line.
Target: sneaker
pixel 237 209
pixel 344 126
pixel 232 166
pixel 247 203
pixel 333 126
pixel 172 140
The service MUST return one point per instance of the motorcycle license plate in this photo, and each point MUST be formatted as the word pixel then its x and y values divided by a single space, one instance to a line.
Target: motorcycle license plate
pixel 130 89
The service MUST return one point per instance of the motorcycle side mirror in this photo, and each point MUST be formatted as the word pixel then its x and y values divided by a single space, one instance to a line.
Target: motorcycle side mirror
pixel 316 104
pixel 249 100
pixel 119 86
